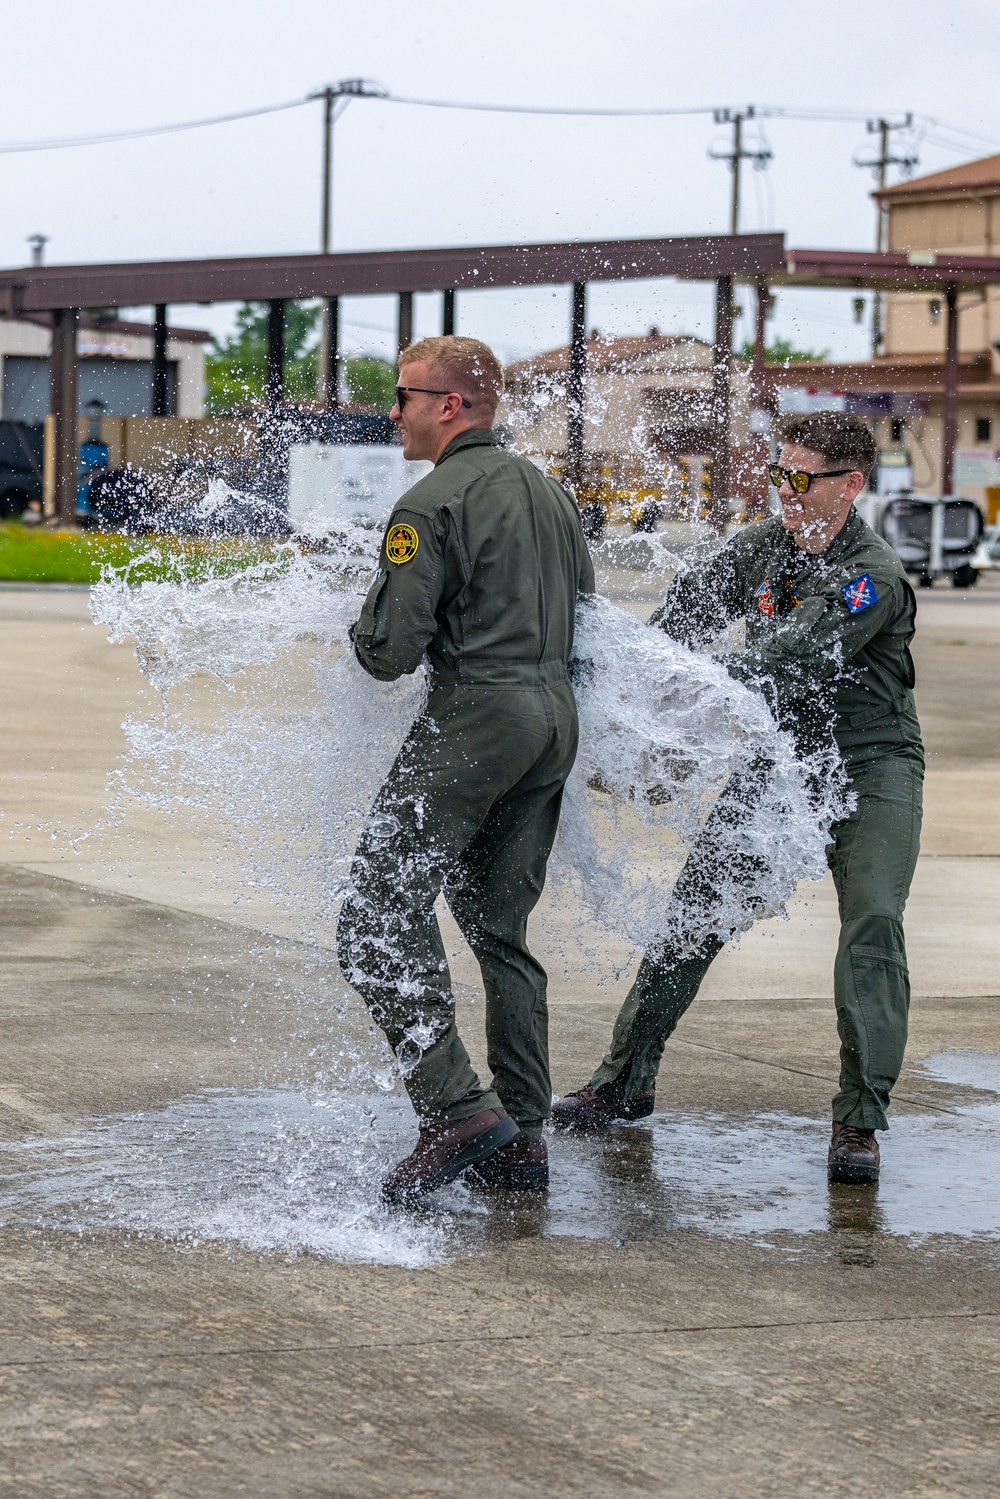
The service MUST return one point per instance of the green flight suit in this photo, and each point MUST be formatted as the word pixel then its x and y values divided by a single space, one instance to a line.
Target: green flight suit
pixel 481 565
pixel 827 640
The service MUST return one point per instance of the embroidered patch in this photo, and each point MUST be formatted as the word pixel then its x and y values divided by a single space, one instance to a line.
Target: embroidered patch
pixel 765 599
pixel 794 599
pixel 401 544
pixel 860 594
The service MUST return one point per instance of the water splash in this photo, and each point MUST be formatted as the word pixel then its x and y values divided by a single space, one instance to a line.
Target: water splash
pixel 292 1171
pixel 270 729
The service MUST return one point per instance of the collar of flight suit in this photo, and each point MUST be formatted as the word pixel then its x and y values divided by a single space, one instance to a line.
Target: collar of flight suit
pixel 844 539
pixel 472 437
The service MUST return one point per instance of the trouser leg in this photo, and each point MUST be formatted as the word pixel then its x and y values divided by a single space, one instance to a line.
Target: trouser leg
pixel 715 878
pixel 493 892
pixel 390 948
pixel 873 859
pixel 462 759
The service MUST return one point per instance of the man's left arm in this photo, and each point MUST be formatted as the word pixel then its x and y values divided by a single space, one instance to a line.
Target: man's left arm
pixel 820 636
pixel 399 617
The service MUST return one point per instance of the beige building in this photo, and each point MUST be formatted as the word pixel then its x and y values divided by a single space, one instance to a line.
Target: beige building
pixel 647 415
pixel 116 367
pixel 953 212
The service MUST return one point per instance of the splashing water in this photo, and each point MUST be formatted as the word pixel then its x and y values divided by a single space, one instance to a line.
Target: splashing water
pixel 289 747
pixel 269 731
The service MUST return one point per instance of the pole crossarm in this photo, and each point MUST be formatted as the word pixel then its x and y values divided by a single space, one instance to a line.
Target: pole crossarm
pixel 358 273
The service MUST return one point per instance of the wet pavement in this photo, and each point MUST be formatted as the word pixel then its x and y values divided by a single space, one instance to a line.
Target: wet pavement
pixel 202 1297
pixel 292 1172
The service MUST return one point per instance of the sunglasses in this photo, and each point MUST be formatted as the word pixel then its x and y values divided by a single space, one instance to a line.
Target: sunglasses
pixel 402 391
pixel 799 479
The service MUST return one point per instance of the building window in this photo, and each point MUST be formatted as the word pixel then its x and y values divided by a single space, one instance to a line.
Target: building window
pixel 984 426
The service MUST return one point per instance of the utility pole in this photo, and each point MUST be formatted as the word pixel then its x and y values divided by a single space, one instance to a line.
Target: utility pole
pixel 347 89
pixel 738 154
pixel 877 165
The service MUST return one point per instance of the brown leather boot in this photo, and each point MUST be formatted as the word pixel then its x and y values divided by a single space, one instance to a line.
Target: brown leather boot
pixel 521 1166
pixel 853 1156
pixel 591 1109
pixel 444 1149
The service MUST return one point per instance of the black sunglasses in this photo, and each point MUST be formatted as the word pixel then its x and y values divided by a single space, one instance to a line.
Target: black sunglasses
pixel 799 479
pixel 402 391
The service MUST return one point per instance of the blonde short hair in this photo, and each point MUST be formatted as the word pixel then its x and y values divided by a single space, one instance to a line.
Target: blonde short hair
pixel 464 364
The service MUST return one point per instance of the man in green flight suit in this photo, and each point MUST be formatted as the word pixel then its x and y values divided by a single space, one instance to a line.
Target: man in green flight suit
pixel 482 563
pixel 829 618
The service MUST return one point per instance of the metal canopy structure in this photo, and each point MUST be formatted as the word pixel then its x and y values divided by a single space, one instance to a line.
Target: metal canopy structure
pixel 269 278
pixel 758 259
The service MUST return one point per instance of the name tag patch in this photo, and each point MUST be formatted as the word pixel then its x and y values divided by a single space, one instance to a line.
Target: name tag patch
pixel 401 544
pixel 765 599
pixel 860 594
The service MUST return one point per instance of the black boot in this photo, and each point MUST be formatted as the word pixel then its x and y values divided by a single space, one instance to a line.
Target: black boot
pixel 592 1109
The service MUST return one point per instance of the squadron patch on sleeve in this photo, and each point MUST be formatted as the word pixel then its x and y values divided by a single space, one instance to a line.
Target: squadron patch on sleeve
pixel 860 594
pixel 401 543
pixel 765 599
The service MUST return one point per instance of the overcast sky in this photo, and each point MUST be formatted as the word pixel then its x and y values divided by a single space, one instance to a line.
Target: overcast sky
pixel 408 176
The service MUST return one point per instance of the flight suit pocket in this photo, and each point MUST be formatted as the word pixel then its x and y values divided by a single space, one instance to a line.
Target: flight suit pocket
pixel 368 624
pixel 877 1029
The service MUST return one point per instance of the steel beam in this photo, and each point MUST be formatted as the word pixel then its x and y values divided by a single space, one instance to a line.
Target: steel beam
pixel 576 384
pixel 352 273
pixel 64 402
pixel 275 387
pixel 950 394
pixel 448 315
pixel 404 322
pixel 158 404
pixel 721 374
pixel 330 354
pixel 760 343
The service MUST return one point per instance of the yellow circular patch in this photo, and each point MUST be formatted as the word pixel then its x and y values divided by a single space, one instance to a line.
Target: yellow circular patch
pixel 401 543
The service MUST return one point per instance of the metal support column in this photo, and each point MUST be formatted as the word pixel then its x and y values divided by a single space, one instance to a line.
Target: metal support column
pixel 275 353
pixel 576 384
pixel 330 354
pixel 448 320
pixel 721 370
pixel 158 406
pixel 64 399
pixel 404 322
pixel 759 345
pixel 950 395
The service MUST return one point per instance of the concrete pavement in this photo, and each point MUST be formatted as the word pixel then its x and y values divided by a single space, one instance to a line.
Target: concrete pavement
pixel 691 1313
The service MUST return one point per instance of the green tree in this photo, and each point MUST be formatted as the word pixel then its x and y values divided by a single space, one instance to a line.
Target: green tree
pixel 236 367
pixel 783 351
pixel 371 382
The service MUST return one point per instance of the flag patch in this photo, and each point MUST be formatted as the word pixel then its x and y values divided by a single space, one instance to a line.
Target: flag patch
pixel 765 599
pixel 860 594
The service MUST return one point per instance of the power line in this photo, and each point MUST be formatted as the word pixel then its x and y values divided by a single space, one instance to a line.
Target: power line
pixel 12 148
pixel 832 116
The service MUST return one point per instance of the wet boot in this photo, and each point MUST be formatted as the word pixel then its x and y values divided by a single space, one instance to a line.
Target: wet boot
pixel 521 1166
pixel 444 1150
pixel 592 1109
pixel 854 1156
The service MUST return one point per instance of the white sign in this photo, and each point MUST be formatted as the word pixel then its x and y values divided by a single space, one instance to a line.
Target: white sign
pixel 977 468
pixel 346 483
pixel 796 400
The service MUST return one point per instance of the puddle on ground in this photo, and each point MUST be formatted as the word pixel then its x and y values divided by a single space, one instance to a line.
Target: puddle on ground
pixel 285 1171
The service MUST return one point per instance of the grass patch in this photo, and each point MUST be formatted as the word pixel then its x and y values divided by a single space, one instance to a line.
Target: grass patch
pixel 41 556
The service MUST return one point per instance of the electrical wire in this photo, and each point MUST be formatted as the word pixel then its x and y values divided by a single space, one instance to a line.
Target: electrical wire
pixel 941 130
pixel 12 148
